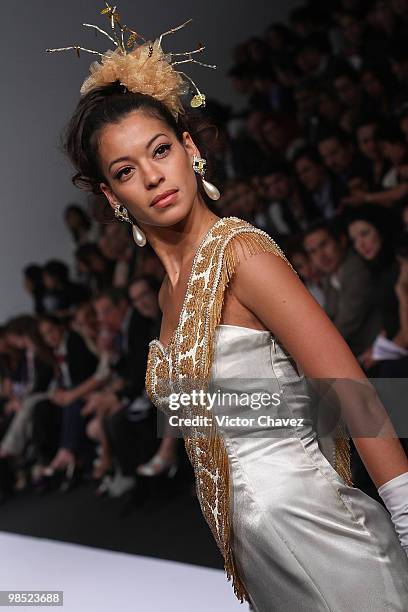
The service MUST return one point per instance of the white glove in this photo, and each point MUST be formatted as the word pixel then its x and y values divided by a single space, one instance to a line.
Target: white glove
pixel 394 494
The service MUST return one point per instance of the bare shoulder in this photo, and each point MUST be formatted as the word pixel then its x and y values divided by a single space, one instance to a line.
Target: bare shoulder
pixel 265 283
pixel 258 258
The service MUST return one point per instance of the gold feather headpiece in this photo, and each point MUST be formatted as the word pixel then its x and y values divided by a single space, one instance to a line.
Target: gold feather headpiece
pixel 141 65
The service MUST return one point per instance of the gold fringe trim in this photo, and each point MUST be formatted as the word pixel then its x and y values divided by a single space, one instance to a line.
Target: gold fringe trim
pixel 342 454
pixel 255 243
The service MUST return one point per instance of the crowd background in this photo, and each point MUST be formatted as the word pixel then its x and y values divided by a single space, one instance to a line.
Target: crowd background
pixel 318 159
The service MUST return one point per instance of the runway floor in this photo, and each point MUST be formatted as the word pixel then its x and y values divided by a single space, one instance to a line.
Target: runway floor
pixel 94 580
pixel 149 559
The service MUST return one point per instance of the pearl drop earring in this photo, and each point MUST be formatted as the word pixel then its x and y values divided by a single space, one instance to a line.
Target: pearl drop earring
pixel 199 167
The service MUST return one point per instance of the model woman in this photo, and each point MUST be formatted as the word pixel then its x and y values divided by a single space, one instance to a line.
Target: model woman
pixel 294 532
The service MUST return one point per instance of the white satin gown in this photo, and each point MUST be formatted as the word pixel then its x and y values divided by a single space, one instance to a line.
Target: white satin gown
pixel 304 541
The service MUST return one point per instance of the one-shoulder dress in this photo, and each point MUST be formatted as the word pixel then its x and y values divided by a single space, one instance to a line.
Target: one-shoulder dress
pixel 295 535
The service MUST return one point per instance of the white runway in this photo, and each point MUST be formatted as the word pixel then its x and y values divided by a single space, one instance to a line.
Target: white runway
pixel 95 580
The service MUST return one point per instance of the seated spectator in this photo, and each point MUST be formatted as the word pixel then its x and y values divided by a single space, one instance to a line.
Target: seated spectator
pixel 398 59
pixel 58 426
pixel 317 181
pixel 61 295
pixel 96 270
pixel 366 130
pixel 288 209
pixel 281 136
pixel 329 108
pixel 347 84
pixel 403 122
pixel 339 156
pixel 311 278
pixel 267 93
pixel 306 102
pixel 148 264
pixel 395 182
pixel 379 88
pixel 373 235
pixel 116 245
pixel 241 199
pixel 133 334
pixel 143 291
pixel 312 56
pixel 395 150
pixel 37 371
pixel 348 285
pixel 33 284
pixel 79 225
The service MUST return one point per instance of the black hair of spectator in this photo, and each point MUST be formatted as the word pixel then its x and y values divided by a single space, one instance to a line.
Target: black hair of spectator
pixel 399 51
pixel 240 71
pixel 74 208
pixel 52 320
pixel 386 222
pixel 333 134
pixel 309 153
pixel 317 41
pixel 334 227
pixel 151 280
pixel 116 295
pixel 365 120
pixel 86 251
pixel 382 73
pixel 286 35
pixel 263 71
pixel 390 132
pixel 401 245
pixel 269 168
pixel 27 325
pixel 345 70
pixel 293 247
pixel 402 112
pixel 310 16
pixel 33 272
pixel 218 112
pixel 57 270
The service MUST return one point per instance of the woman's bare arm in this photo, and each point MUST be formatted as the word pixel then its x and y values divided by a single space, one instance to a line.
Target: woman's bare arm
pixel 268 287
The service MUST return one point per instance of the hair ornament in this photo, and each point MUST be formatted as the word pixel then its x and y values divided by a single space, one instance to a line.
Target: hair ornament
pixel 141 65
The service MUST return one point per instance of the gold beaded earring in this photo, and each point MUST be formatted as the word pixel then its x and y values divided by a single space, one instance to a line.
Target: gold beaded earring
pixel 122 214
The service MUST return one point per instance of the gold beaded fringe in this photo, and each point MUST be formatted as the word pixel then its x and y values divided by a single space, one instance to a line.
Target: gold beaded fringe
pixel 255 243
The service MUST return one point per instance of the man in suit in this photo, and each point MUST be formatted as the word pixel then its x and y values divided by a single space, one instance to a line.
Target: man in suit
pixel 348 285
pixel 127 420
pixel 348 288
pixel 57 421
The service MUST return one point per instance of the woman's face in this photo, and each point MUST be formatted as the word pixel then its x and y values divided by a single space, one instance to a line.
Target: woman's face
pixel 28 284
pixel 404 127
pixel 141 159
pixel 310 174
pixel 302 265
pixel 366 141
pixel 372 84
pixel 405 217
pixel 366 239
pixel 328 107
pixel 16 341
pixel 49 281
pixel 51 334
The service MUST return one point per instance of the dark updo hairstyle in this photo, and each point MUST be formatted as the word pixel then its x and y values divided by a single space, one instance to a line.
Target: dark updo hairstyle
pixel 110 104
